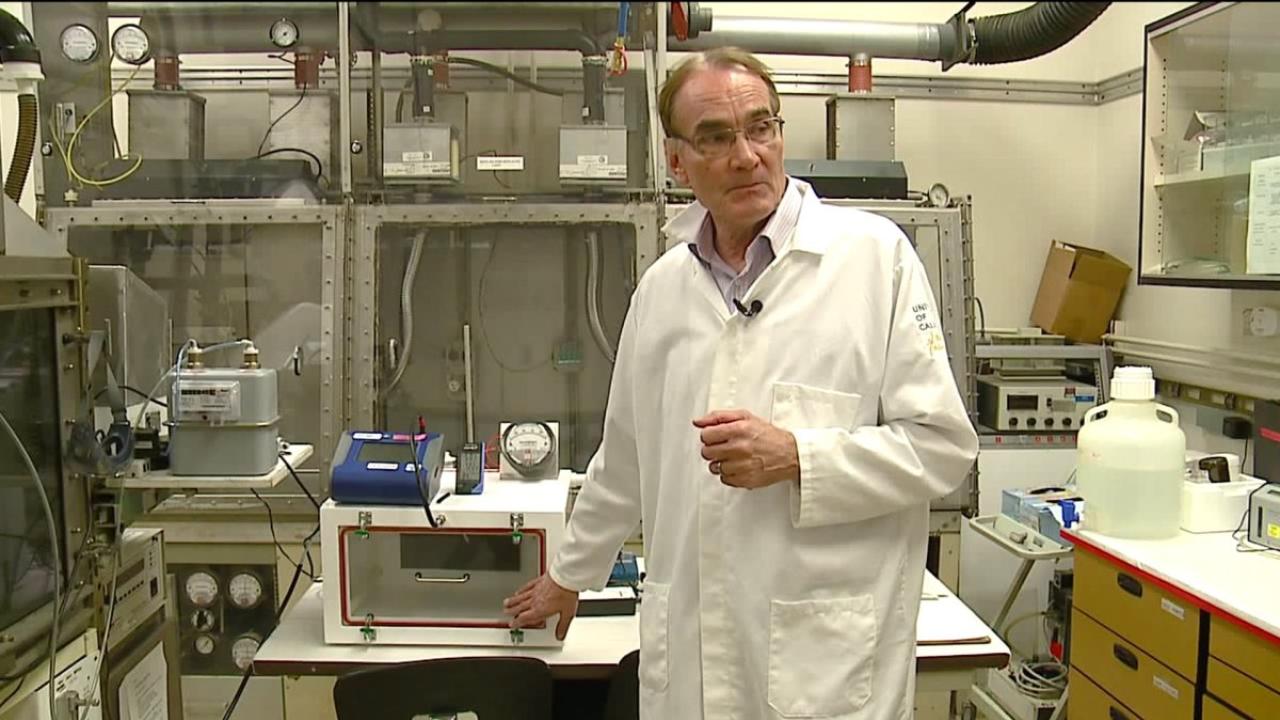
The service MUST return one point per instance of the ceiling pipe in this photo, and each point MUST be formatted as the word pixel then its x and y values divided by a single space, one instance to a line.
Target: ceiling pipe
pixel 1011 37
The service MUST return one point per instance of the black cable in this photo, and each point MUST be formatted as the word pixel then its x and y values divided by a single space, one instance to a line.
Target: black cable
pixel 499 70
pixel 293 584
pixel 982 317
pixel 1243 520
pixel 1244 458
pixel 484 333
pixel 298 480
pixel 308 153
pixel 271 523
pixel 967 7
pixel 417 479
pixel 283 115
pixel 135 391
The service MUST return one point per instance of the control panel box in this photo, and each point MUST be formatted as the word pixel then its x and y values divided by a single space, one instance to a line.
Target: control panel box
pixel 1034 405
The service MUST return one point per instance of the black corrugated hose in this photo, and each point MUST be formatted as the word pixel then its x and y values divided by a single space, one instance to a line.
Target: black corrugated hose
pixel 1039 29
pixel 24 147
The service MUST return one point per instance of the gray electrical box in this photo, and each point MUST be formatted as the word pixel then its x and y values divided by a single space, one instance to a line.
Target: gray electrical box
pixel 860 127
pixel 420 152
pixel 593 155
pixel 166 124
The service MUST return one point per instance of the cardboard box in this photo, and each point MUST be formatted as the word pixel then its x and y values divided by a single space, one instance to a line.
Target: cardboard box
pixel 1079 292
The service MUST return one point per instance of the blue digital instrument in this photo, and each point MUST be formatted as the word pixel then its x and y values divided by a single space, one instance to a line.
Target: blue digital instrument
pixel 380 468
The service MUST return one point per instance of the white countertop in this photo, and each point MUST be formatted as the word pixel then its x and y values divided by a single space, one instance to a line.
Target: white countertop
pixel 1206 569
pixel 596 644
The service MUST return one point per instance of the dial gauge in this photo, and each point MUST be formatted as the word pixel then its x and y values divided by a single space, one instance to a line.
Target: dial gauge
pixel 528 445
pixel 284 33
pixel 245 590
pixel 131 44
pixel 79 43
pixel 244 649
pixel 205 644
pixel 202 588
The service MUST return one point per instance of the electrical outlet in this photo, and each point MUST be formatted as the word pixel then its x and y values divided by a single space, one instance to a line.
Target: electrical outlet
pixel 1261 321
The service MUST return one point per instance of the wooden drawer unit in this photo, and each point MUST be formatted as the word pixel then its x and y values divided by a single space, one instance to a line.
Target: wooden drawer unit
pixel 1128 674
pixel 1242 692
pixel 1090 702
pixel 1162 625
pixel 1245 652
pixel 1214 710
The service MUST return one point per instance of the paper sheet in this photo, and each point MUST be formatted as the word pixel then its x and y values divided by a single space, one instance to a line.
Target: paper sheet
pixel 940 624
pixel 144 694
pixel 1264 217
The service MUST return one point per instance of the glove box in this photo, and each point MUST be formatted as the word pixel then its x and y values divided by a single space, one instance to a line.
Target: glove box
pixel 393 579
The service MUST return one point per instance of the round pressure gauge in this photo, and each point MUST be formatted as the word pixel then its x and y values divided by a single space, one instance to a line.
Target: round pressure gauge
pixel 202 620
pixel 284 33
pixel 79 43
pixel 205 644
pixel 528 446
pixel 202 588
pixel 939 196
pixel 245 590
pixel 131 44
pixel 243 650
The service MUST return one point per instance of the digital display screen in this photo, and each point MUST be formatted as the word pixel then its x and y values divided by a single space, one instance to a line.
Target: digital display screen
pixel 460 552
pixel 394 452
pixel 1023 402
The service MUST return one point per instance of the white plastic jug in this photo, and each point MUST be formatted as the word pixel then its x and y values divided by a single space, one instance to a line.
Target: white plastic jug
pixel 1130 461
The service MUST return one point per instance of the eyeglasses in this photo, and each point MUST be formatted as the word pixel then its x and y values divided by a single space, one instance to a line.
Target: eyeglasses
pixel 717 143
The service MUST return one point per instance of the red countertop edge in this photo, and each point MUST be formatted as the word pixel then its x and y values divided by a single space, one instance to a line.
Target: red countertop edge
pixel 1224 613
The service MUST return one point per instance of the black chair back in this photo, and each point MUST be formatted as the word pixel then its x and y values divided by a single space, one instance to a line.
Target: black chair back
pixel 491 688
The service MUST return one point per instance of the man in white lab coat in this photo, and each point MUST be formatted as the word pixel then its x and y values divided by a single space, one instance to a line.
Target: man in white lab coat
pixel 781 413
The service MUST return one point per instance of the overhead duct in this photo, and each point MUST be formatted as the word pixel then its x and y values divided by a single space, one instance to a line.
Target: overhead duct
pixel 1021 35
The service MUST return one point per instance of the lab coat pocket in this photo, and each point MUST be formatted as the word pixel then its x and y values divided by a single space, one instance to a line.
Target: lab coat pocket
pixel 653 637
pixel 821 656
pixel 804 407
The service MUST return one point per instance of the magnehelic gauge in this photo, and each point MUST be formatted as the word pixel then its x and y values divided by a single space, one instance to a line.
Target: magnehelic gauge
pixel 245 590
pixel 202 588
pixel 131 44
pixel 529 449
pixel 244 648
pixel 79 43
pixel 284 33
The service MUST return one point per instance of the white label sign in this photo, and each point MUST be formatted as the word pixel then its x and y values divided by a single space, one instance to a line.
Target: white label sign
pixel 1173 609
pixel 595 172
pixel 416 156
pixel 214 400
pixel 382 466
pixel 501 162
pixel 1163 686
pixel 437 168
pixel 593 159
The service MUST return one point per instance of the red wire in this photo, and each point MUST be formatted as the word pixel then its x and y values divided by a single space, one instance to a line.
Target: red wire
pixel 680 21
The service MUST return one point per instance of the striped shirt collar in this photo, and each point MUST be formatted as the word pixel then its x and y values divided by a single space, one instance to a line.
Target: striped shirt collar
pixel 776 231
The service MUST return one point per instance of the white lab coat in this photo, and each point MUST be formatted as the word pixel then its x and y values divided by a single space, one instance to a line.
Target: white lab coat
pixel 796 600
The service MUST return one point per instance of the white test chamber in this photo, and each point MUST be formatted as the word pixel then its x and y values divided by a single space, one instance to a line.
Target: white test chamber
pixel 392 579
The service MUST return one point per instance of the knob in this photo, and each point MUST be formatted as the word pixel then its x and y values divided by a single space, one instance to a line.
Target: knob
pixel 1066 422
pixel 1048 422
pixel 1031 422
pixel 1013 422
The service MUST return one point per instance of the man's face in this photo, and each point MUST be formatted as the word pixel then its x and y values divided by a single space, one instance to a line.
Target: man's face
pixel 745 184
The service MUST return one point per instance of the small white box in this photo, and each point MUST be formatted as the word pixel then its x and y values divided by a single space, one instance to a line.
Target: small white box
pixel 392 579
pixel 1216 507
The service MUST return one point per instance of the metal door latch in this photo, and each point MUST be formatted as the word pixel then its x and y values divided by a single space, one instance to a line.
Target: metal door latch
pixel 517 636
pixel 365 519
pixel 369 632
pixel 517 528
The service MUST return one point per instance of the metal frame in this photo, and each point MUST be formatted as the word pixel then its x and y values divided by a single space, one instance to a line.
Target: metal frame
pixel 362 286
pixel 61 221
pixel 57 284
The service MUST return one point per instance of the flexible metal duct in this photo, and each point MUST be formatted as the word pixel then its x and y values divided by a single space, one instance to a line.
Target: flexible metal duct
pixel 1011 37
pixel 23 147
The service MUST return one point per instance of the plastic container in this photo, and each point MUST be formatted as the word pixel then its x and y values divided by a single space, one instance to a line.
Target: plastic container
pixel 1131 461
pixel 1216 507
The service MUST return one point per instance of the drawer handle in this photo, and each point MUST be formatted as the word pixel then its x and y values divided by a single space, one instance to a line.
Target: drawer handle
pixel 1125 656
pixel 1115 713
pixel 1129 584
pixel 419 577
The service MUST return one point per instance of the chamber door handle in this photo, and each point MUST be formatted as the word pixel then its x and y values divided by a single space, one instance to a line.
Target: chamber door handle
pixel 1125 656
pixel 1129 584
pixel 419 577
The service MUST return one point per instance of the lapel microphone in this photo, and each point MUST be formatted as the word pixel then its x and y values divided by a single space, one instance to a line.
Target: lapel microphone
pixel 748 312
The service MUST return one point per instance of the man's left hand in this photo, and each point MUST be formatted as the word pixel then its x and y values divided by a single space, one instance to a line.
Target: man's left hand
pixel 747 452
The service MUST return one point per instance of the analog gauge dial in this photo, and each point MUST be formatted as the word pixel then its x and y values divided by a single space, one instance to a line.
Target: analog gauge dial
pixel 939 196
pixel 245 590
pixel 205 644
pixel 528 445
pixel 131 44
pixel 79 43
pixel 202 589
pixel 202 620
pixel 244 649
pixel 284 33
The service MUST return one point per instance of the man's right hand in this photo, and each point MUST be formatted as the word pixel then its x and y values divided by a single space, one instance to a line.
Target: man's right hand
pixel 538 600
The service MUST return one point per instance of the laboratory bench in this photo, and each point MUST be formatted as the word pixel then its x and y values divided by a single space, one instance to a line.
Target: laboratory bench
pixel 1186 628
pixel 953 645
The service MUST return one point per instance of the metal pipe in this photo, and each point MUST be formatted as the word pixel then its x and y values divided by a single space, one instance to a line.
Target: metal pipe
pixel 1246 357
pixel 438 40
pixel 593 296
pixel 912 41
pixel 243 32
pixel 468 374
pixel 1204 364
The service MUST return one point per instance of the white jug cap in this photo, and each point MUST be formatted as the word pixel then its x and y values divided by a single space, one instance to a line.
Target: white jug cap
pixel 1133 383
